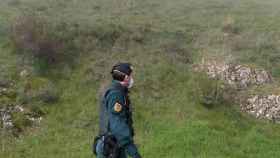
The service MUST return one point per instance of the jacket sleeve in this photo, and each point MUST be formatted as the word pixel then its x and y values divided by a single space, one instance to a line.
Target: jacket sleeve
pixel 132 151
pixel 118 124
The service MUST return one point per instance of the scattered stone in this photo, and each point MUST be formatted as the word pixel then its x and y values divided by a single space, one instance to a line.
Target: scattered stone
pixel 36 121
pixel 18 108
pixel 240 76
pixel 7 120
pixel 263 106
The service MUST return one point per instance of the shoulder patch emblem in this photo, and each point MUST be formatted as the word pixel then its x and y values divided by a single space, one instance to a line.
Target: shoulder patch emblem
pixel 118 107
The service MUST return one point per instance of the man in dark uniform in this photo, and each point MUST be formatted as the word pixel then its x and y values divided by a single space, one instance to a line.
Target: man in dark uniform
pixel 116 114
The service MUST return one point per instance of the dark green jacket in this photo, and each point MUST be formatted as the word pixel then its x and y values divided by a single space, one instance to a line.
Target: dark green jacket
pixel 118 111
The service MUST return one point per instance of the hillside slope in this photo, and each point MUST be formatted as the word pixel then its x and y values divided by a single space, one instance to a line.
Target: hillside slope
pixel 163 40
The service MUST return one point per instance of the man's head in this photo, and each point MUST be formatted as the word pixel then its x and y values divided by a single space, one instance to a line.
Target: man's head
pixel 122 72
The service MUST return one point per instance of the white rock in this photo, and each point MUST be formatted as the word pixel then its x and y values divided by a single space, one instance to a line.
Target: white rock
pixel 19 108
pixel 24 73
pixel 266 106
pixel 240 75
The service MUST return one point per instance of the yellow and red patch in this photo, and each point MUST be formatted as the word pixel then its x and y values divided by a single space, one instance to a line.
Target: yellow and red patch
pixel 118 107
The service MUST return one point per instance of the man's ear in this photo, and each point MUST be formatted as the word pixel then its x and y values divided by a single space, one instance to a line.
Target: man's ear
pixel 126 78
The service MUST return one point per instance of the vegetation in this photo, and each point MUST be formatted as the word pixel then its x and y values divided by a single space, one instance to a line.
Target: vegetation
pixel 73 45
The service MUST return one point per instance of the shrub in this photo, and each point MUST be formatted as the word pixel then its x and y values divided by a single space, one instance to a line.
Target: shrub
pixel 4 82
pixel 178 53
pixel 1 125
pixel 42 40
pixel 229 26
pixel 3 30
pixel 4 77
pixel 4 100
pixel 48 93
pixel 261 50
pixel 20 122
pixel 107 34
pixel 117 36
pixel 211 92
pixel 38 89
pixel 36 111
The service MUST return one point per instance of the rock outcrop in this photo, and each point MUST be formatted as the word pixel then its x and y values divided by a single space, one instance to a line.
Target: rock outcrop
pixel 6 115
pixel 263 106
pixel 241 76
pixel 7 112
pixel 13 116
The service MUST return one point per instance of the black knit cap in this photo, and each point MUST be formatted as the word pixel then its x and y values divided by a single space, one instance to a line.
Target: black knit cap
pixel 125 68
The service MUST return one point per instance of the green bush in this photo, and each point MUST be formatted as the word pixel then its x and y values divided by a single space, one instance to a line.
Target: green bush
pixel 48 93
pixel 38 89
pixel 210 92
pixel 261 50
pixel 47 42
pixel 20 122
pixel 44 41
pixel 178 53
pixel 3 30
pixel 36 111
pixel 115 35
pixel 4 77
pixel 4 100
pixel 107 34
pixel 1 125
pixel 229 26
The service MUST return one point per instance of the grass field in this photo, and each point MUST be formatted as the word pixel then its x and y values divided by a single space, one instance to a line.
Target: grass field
pixel 162 38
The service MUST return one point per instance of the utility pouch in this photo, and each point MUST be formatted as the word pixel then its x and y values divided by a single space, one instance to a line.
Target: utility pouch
pixel 94 145
pixel 110 148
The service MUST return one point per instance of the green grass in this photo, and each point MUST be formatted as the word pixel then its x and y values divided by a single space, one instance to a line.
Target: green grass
pixel 173 126
pixel 169 122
